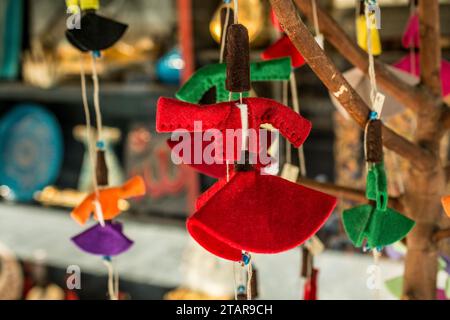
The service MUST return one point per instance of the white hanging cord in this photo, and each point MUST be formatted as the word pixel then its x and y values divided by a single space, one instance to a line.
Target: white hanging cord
pixel 372 75
pixel 224 35
pixel 236 8
pixel 97 99
pixel 111 292
pixel 315 17
pixel 296 106
pixel 235 282
pixel 116 284
pixel 285 102
pixel 88 125
pixel 377 275
pixel 249 280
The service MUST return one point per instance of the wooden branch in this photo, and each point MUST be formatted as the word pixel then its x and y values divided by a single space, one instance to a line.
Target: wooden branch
pixel 441 235
pixel 430 54
pixel 346 193
pixel 330 76
pixel 411 97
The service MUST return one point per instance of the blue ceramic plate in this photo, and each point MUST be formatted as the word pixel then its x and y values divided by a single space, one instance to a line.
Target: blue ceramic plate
pixel 31 150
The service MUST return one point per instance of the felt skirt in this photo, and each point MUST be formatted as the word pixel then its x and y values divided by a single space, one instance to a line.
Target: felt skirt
pixel 107 240
pixel 257 213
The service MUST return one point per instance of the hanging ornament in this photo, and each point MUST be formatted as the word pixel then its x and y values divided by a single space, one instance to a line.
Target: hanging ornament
pixel 95 33
pixel 208 225
pixel 366 22
pixel 284 47
pixel 108 198
pixel 250 13
pixel 411 62
pixel 214 75
pixel 375 222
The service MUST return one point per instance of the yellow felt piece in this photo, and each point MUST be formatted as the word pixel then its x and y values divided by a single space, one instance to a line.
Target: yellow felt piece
pixel 361 36
pixel 90 4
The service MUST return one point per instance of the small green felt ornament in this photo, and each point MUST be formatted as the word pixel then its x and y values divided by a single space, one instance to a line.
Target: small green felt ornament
pixel 375 222
pixel 214 75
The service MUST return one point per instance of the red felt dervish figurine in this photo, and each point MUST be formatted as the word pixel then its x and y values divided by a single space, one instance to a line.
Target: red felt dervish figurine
pixel 251 211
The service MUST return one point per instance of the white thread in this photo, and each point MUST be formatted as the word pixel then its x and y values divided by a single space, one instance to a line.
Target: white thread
pixel 249 279
pixel 285 101
pixel 109 267
pixel 244 124
pixel 97 99
pixel 296 105
pixel 376 261
pixel 88 124
pixel 371 71
pixel 224 35
pixel 236 7
pixel 315 17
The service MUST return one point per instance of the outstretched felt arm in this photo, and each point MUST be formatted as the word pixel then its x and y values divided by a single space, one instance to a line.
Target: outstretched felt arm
pixel 173 114
pixel 292 126
pixel 83 211
pixel 134 187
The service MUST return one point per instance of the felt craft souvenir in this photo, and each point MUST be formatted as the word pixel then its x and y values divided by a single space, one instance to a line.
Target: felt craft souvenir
pixel 284 47
pixel 250 212
pixel 237 59
pixel 310 287
pixel 96 33
pixel 213 76
pixel 215 170
pixel 375 222
pixel 108 199
pixel 362 36
pixel 446 204
pixel 107 240
pixel 411 62
pixel 173 114
pixel 257 213
pixel 411 36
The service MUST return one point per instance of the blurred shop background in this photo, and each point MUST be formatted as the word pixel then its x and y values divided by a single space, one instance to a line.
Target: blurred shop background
pixel 39 81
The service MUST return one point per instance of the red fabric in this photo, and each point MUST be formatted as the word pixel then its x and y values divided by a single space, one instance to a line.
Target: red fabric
pixel 174 114
pixel 406 64
pixel 215 170
pixel 310 288
pixel 274 20
pixel 257 213
pixel 284 47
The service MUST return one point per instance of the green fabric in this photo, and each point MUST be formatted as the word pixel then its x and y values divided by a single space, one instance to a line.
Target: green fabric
pixel 376 185
pixel 214 75
pixel 395 286
pixel 378 224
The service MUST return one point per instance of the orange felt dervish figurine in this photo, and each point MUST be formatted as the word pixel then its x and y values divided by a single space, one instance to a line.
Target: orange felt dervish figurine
pixel 109 200
pixel 105 238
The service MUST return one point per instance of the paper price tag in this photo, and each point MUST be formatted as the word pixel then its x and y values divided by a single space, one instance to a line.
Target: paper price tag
pixel 320 40
pixel 290 172
pixel 315 246
pixel 379 103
